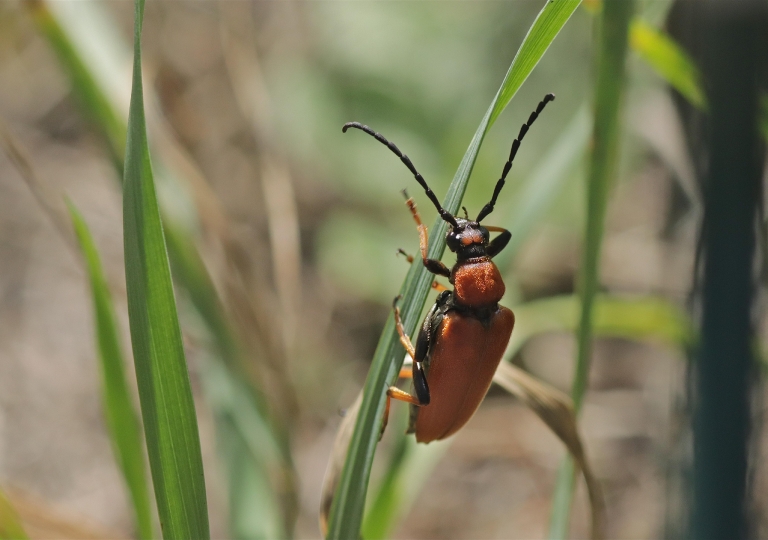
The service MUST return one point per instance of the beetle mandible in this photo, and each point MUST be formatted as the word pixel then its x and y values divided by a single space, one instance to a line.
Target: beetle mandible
pixel 464 335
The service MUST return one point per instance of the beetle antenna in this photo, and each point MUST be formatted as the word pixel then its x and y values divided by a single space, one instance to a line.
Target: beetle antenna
pixel 466 214
pixel 444 214
pixel 488 208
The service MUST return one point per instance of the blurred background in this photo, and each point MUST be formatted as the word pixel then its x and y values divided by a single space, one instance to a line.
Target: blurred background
pixel 298 225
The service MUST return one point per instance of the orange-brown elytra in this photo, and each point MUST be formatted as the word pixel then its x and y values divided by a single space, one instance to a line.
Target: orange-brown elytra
pixel 463 337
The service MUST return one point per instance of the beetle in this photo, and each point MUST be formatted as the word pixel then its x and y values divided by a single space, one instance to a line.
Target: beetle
pixel 464 335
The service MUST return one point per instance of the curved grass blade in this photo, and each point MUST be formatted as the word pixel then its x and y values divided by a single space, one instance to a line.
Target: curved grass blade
pixel 613 41
pixel 349 502
pixel 170 422
pixel 669 60
pixel 555 409
pixel 122 422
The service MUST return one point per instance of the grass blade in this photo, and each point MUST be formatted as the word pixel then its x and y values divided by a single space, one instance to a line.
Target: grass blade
pixel 613 39
pixel 349 502
pixel 88 47
pixel 669 60
pixel 122 422
pixel 640 319
pixel 90 96
pixel 170 422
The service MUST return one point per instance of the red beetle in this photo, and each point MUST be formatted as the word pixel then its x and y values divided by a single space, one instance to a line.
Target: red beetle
pixel 464 335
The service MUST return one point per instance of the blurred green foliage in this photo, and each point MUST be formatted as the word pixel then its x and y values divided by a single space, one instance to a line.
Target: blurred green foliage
pixel 422 74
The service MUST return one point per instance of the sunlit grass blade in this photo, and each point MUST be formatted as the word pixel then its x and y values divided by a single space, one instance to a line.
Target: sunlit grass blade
pixel 641 319
pixel 170 422
pixel 87 90
pixel 613 42
pixel 669 60
pixel 349 502
pixel 10 524
pixel 122 421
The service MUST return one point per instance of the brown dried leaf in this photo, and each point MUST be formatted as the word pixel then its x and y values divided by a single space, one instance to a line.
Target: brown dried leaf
pixel 556 410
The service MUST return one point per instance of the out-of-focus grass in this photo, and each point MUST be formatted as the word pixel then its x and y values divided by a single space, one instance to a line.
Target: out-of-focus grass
pixel 168 410
pixel 10 525
pixel 122 421
pixel 349 502
pixel 613 43
pixel 669 60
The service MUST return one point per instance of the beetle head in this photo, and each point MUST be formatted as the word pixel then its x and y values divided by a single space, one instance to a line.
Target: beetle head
pixel 467 239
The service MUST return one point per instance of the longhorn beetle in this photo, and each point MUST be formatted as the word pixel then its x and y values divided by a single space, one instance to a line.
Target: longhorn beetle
pixel 464 335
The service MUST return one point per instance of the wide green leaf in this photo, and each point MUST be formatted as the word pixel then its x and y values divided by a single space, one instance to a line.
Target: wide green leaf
pixel 613 43
pixel 167 407
pixel 122 421
pixel 669 60
pixel 349 502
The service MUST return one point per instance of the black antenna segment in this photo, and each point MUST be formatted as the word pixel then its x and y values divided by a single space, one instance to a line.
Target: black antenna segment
pixel 488 208
pixel 444 214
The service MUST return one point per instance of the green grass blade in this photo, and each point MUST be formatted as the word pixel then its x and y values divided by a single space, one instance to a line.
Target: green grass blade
pixel 669 60
pixel 10 524
pixel 613 41
pixel 90 96
pixel 646 318
pixel 122 421
pixel 410 467
pixel 88 47
pixel 349 502
pixel 250 454
pixel 170 423
pixel 540 36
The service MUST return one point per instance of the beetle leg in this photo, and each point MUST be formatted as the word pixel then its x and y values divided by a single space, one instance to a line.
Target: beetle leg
pixel 404 339
pixel 433 265
pixel 416 372
pixel 406 372
pixel 418 354
pixel 498 243
pixel 408 257
pixel 435 285
pixel 439 286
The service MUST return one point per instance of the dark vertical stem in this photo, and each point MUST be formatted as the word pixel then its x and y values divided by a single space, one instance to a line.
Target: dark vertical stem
pixel 732 192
